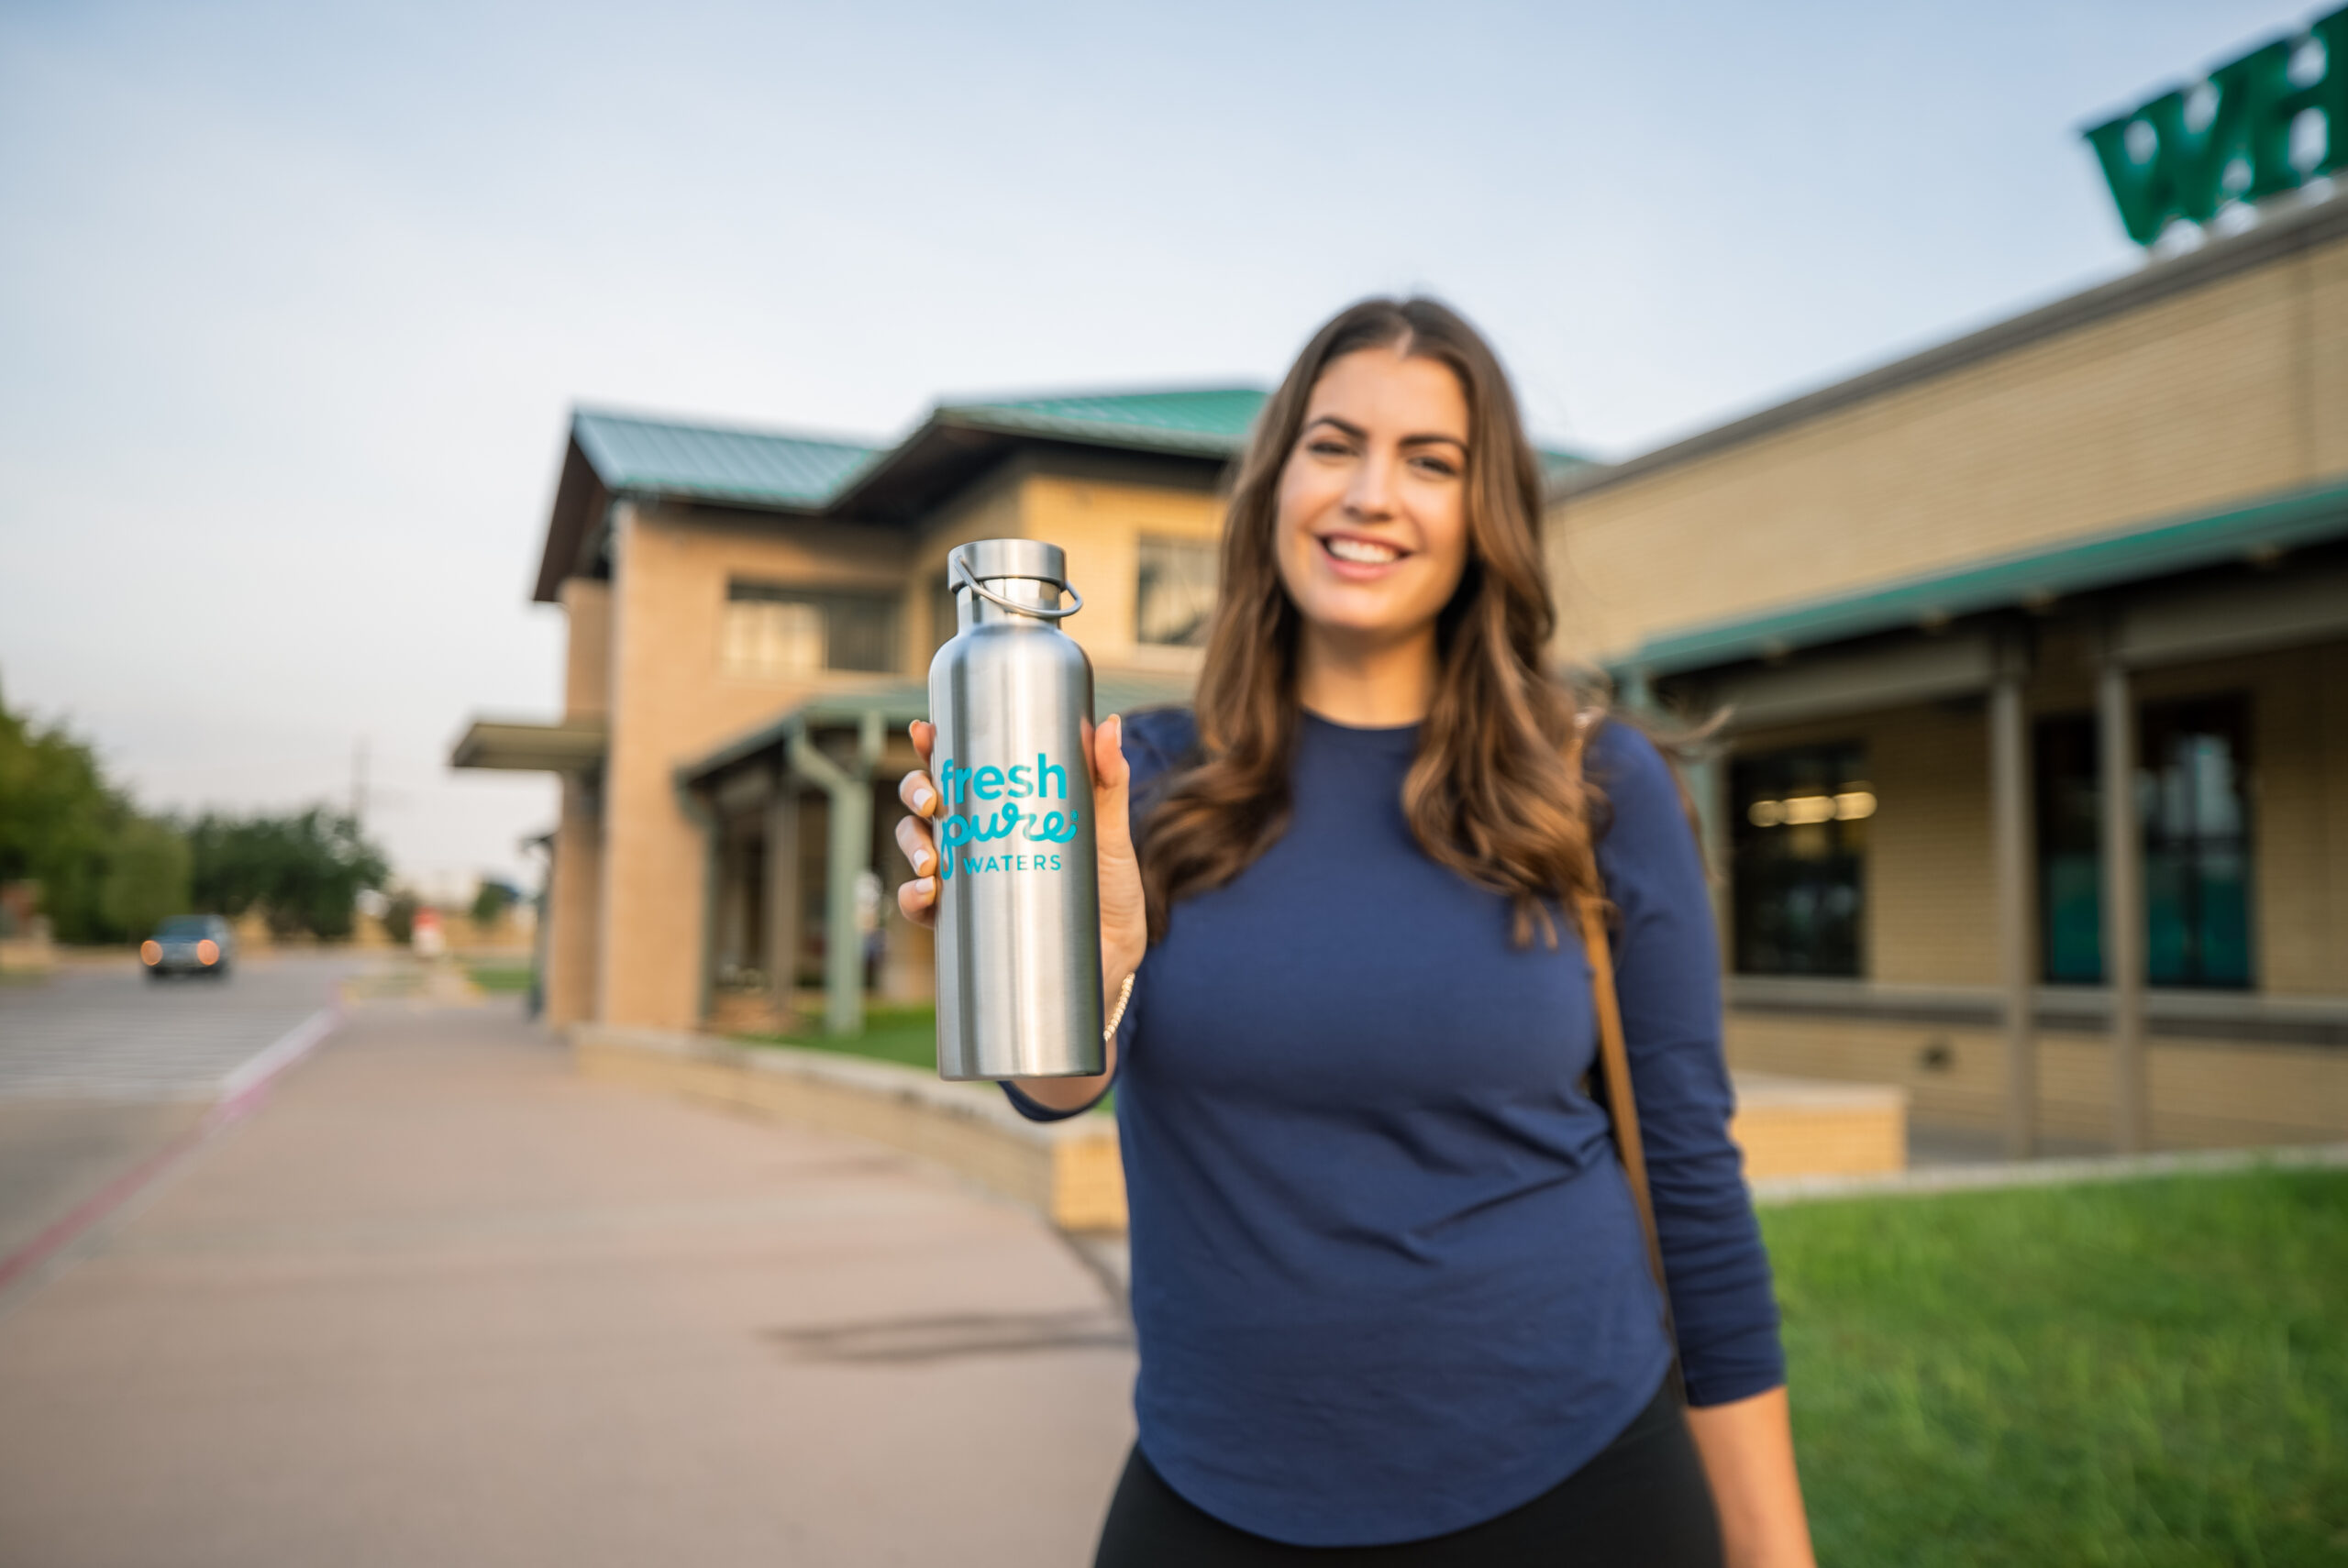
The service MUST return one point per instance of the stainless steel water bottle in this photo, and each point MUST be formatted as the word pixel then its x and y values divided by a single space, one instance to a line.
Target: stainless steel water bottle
pixel 1019 885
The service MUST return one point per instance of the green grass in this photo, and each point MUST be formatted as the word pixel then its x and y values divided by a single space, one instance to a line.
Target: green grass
pixel 500 978
pixel 907 1034
pixel 2149 1373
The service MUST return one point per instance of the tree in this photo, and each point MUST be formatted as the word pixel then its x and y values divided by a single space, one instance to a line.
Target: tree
pixel 106 872
pixel 146 876
pixel 399 917
pixel 493 900
pixel 303 870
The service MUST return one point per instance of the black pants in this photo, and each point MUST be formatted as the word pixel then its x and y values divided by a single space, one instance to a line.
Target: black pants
pixel 1642 1503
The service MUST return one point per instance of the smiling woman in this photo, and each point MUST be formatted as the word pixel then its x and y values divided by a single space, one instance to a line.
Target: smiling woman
pixel 1389 1283
pixel 1381 564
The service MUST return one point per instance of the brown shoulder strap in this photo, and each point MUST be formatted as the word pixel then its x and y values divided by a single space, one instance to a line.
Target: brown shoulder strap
pixel 1614 1068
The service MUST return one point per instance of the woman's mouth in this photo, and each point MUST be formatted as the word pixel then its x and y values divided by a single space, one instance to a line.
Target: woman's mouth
pixel 1357 557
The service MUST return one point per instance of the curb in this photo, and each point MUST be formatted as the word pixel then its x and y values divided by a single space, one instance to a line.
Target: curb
pixel 1070 1170
pixel 2048 1173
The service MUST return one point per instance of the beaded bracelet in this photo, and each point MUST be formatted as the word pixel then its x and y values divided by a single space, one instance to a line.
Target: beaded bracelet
pixel 1117 1013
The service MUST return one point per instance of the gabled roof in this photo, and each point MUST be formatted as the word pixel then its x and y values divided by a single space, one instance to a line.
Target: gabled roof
pixel 634 454
pixel 1214 422
pixel 1211 421
pixel 1193 430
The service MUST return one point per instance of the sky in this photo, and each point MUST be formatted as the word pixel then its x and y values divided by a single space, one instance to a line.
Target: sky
pixel 295 299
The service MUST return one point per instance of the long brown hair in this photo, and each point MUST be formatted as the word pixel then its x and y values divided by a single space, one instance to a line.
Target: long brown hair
pixel 1496 792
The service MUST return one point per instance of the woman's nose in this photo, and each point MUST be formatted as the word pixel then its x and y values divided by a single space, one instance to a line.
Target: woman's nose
pixel 1371 494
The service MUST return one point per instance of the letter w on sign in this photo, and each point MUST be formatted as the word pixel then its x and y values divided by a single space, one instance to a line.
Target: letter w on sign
pixel 2186 153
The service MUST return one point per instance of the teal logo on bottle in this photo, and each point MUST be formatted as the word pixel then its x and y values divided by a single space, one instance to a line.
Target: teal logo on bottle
pixel 972 818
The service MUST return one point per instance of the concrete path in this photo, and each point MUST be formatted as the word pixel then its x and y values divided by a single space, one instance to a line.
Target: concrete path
pixel 439 1301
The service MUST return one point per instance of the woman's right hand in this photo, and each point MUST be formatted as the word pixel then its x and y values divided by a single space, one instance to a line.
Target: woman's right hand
pixel 1124 925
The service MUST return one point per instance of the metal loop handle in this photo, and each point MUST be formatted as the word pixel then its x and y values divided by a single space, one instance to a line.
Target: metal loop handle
pixel 962 568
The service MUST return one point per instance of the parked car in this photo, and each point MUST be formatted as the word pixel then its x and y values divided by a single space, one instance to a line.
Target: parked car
pixel 190 945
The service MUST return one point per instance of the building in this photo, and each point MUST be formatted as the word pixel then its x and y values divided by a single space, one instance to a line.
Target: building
pixel 750 619
pixel 2033 649
pixel 2025 660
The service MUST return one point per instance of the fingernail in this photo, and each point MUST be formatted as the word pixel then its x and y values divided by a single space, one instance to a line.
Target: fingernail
pixel 923 861
pixel 926 886
pixel 921 799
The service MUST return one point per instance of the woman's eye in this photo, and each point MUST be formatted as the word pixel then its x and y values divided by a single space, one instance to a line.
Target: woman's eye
pixel 1443 467
pixel 1329 449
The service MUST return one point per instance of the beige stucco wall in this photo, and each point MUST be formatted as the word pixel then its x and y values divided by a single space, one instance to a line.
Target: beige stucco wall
pixel 587 649
pixel 989 509
pixel 575 904
pixel 1101 524
pixel 671 703
pixel 2232 390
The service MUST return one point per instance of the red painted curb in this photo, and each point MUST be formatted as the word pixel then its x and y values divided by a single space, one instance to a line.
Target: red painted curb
pixel 239 1104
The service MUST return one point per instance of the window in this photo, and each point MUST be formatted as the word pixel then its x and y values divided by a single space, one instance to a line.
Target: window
pixel 1799 846
pixel 1175 598
pixel 2193 801
pixel 771 631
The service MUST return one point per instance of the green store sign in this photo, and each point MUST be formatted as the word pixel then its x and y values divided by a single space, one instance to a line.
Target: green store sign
pixel 2194 149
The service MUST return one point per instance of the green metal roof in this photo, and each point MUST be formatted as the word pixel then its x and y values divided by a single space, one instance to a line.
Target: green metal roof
pixel 2029 578
pixel 663 457
pixel 716 462
pixel 1211 421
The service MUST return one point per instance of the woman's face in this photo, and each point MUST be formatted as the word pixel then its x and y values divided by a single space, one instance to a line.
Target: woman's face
pixel 1372 532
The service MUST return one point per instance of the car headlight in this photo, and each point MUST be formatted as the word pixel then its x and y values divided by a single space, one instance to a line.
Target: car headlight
pixel 150 952
pixel 207 952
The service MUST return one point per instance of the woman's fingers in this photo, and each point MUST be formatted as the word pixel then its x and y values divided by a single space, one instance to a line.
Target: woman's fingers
pixel 912 838
pixel 1110 777
pixel 924 737
pixel 917 898
pixel 918 793
pixel 1124 921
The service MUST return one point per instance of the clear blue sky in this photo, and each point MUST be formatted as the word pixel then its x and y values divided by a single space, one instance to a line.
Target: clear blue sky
pixel 294 298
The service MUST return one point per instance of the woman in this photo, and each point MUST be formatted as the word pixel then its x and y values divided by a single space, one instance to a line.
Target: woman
pixel 1388 1282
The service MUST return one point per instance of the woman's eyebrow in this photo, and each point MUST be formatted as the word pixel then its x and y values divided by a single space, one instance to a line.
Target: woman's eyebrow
pixel 1345 428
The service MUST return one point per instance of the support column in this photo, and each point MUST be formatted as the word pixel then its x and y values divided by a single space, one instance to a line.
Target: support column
pixel 2010 767
pixel 713 871
pixel 2123 906
pixel 1707 779
pixel 850 851
pixel 782 897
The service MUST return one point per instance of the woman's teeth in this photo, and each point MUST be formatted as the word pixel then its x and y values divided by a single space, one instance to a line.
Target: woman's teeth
pixel 1364 551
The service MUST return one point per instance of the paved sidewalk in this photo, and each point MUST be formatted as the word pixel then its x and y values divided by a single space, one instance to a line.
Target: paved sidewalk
pixel 440 1301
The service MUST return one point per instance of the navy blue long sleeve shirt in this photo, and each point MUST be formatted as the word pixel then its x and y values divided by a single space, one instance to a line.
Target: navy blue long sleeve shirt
pixel 1387 1278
